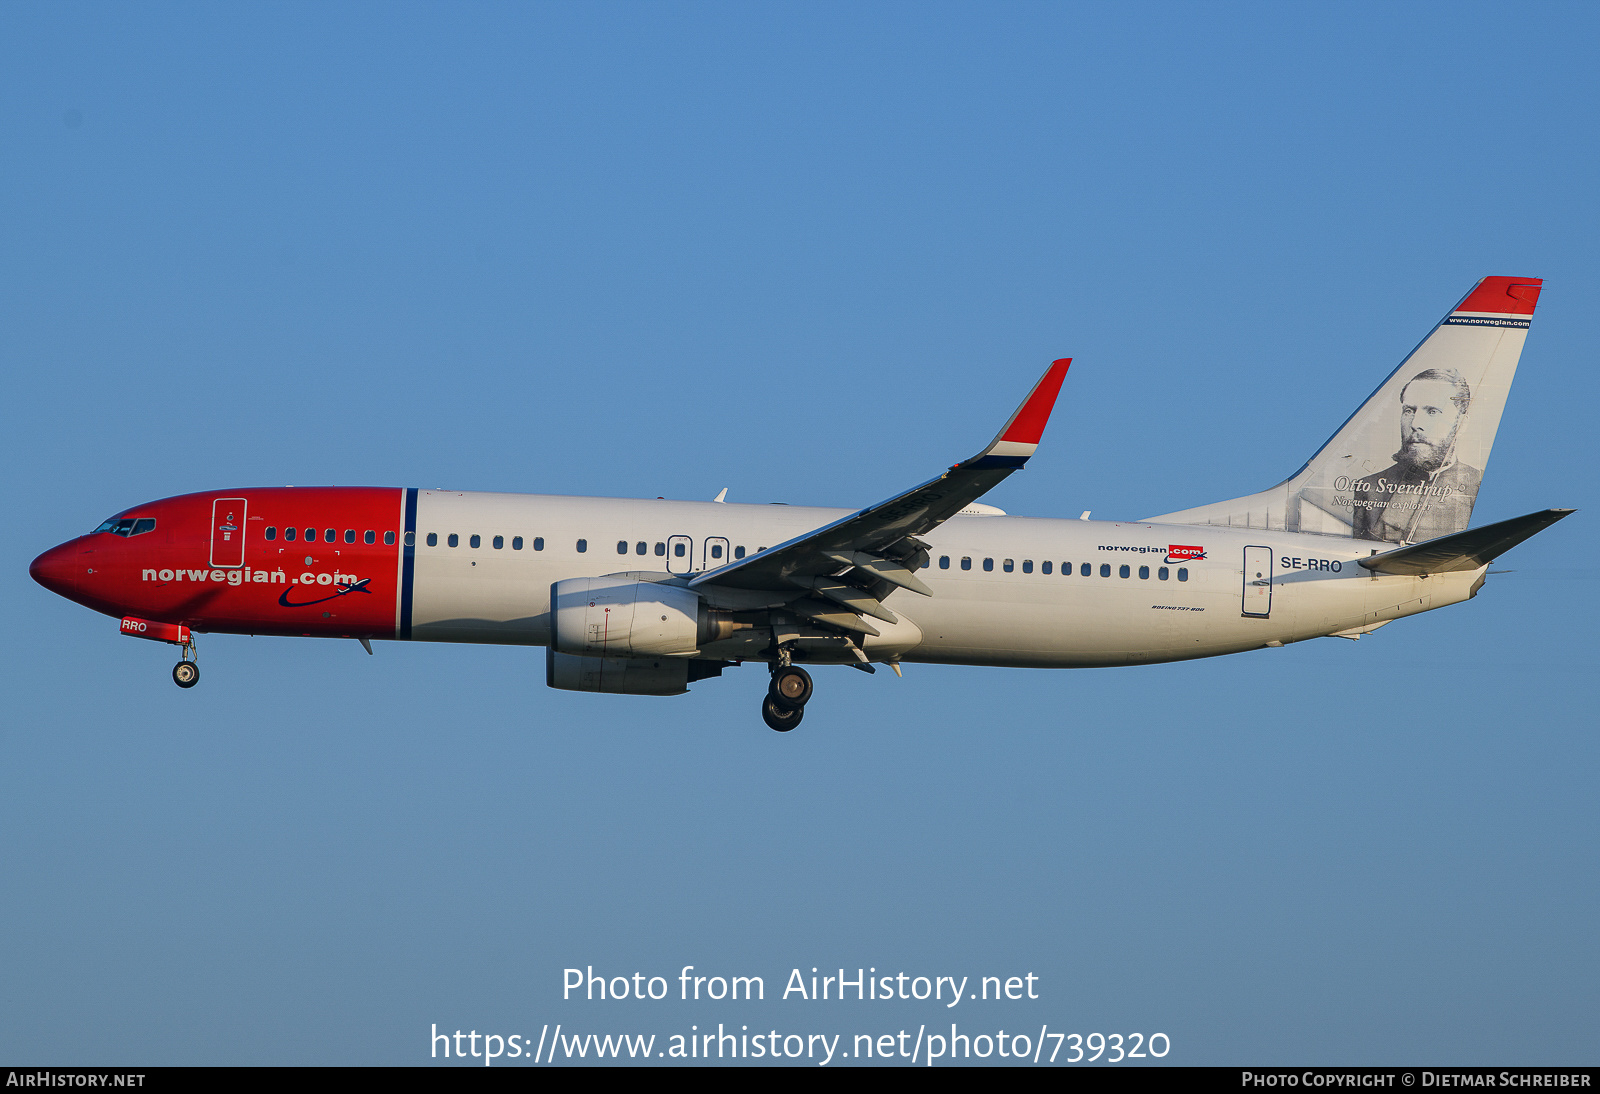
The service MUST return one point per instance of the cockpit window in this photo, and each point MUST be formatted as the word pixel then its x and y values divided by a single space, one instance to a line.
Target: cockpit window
pixel 128 526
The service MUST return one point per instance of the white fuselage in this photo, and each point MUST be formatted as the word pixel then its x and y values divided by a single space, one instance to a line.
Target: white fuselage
pixel 1008 612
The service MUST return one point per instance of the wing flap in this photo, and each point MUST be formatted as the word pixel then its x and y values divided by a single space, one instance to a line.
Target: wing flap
pixel 888 569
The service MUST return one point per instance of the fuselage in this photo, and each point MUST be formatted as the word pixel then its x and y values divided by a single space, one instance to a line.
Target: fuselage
pixel 448 566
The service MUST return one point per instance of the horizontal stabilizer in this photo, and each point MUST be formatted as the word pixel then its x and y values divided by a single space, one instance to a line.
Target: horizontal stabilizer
pixel 1464 550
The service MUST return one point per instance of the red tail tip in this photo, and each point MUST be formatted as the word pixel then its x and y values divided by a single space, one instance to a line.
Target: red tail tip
pixel 1504 296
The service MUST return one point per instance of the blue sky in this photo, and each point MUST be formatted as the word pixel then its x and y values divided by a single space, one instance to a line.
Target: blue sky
pixel 812 254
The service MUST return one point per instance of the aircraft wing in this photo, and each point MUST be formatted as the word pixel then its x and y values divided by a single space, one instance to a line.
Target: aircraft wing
pixel 855 562
pixel 1464 550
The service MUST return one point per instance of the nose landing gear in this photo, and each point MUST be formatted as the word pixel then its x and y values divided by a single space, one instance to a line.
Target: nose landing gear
pixel 787 696
pixel 186 673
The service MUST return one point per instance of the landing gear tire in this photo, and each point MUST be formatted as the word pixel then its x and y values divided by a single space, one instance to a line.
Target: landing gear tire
pixel 791 687
pixel 780 718
pixel 186 674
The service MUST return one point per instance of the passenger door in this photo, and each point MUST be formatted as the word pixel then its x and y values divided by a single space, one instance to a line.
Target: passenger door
pixel 227 533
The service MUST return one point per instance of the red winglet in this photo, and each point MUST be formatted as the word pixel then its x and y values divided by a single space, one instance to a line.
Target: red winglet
pixel 1504 296
pixel 1027 424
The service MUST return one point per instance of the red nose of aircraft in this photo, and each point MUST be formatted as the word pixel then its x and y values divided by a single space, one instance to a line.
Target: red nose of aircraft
pixel 57 569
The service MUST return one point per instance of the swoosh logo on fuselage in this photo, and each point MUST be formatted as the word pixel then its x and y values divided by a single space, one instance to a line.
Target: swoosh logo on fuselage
pixel 358 587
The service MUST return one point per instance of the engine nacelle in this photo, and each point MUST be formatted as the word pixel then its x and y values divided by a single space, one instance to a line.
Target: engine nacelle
pixel 617 675
pixel 626 675
pixel 620 617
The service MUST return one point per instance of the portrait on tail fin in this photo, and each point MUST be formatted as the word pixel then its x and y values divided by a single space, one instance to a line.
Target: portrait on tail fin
pixel 1442 404
pixel 1427 492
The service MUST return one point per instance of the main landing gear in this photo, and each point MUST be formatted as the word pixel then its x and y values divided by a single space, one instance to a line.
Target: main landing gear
pixel 186 673
pixel 787 696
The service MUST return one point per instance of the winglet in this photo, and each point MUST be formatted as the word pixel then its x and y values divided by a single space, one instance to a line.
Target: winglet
pixel 1019 438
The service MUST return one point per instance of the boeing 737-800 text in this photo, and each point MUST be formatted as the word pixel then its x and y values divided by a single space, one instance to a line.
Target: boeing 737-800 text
pixel 645 597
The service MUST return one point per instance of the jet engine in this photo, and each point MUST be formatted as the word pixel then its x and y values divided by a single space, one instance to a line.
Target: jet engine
pixel 620 617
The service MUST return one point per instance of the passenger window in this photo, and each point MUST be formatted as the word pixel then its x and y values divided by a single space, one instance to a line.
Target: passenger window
pixel 311 535
pixel 454 540
pixel 988 565
pixel 272 533
pixel 738 552
pixel 661 550
pixel 944 562
pixel 1008 565
pixel 475 541
pixel 1161 574
pixel 288 535
pixel 1122 571
pixel 330 535
pixel 433 539
pixel 1085 570
pixel 499 543
pixel 583 545
pixel 1144 573
pixel 677 549
pixel 371 536
pixel 641 548
pixel 622 546
pixel 1183 574
pixel 350 535
pixel 516 543
pixel 1044 567
pixel 966 563
pixel 716 550
pixel 1105 569
pixel 538 543
pixel 1027 565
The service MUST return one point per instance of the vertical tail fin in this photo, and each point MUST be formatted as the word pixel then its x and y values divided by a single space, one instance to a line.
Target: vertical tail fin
pixel 1406 466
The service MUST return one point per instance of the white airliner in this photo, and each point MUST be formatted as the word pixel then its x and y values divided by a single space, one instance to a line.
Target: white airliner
pixel 645 597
